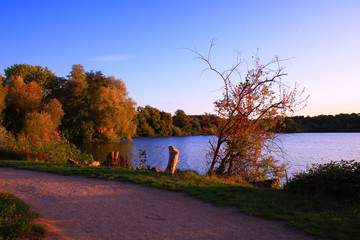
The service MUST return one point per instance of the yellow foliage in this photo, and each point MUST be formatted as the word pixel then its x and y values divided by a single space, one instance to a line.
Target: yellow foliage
pixel 55 110
pixel 24 97
pixel 3 91
pixel 39 126
pixel 115 111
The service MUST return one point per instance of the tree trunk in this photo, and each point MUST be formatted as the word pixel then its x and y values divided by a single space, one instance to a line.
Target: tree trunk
pixel 112 159
pixel 215 156
pixel 173 160
pixel 211 169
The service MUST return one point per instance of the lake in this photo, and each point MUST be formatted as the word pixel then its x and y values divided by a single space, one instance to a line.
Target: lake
pixel 300 150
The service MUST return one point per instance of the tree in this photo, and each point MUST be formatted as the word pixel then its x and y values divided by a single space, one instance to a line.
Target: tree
pixel 153 122
pixel 114 112
pixel 181 120
pixel 26 111
pixel 143 127
pixel 188 125
pixel 208 123
pixel 39 126
pixel 3 92
pixel 77 126
pixel 30 73
pixel 195 126
pixel 166 128
pixel 54 109
pixel 97 108
pixel 243 144
pixel 22 98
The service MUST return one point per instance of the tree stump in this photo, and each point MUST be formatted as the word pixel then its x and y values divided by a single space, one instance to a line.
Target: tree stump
pixel 173 160
pixel 112 159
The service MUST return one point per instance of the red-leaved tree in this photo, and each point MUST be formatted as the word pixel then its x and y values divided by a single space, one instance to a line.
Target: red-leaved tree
pixel 250 103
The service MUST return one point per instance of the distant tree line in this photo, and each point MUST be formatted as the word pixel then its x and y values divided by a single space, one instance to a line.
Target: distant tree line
pixel 152 122
pixel 322 123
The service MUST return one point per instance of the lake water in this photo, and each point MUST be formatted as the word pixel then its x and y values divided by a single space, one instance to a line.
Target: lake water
pixel 300 150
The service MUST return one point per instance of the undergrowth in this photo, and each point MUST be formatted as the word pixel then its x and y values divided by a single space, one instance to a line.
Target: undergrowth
pixel 16 221
pixel 55 149
pixel 337 179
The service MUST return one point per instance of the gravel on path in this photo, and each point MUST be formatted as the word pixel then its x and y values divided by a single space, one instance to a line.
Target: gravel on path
pixel 83 208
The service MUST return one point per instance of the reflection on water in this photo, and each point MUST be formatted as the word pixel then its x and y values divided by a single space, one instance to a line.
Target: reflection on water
pixel 192 151
pixel 301 150
pixel 100 150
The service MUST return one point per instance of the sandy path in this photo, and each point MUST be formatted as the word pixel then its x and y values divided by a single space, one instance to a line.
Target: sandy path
pixel 84 208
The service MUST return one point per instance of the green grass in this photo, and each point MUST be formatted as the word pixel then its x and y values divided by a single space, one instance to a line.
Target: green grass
pixel 16 221
pixel 317 215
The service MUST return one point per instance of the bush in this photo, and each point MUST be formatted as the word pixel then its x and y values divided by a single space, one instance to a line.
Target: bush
pixel 339 179
pixel 54 148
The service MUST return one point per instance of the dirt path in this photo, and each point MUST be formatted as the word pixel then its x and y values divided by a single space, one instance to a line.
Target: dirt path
pixel 83 208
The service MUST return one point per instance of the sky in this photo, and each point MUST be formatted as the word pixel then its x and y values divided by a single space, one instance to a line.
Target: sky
pixel 144 43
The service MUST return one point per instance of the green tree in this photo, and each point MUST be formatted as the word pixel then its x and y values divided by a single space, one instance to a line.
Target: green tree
pixel 30 73
pixel 77 125
pixel 153 122
pixel 97 108
pixel 182 121
pixel 166 124
pixel 143 127
pixel 54 109
pixel 188 125
pixel 195 126
pixel 287 125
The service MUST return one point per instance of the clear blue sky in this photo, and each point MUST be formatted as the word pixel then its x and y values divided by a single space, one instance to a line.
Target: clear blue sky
pixel 140 42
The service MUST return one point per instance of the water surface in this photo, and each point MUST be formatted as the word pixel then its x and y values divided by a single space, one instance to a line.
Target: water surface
pixel 300 150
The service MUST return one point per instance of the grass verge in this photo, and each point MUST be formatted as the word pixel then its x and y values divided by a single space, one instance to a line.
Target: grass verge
pixel 16 221
pixel 317 215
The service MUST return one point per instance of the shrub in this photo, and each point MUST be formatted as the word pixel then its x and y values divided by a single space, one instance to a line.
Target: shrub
pixel 54 148
pixel 339 179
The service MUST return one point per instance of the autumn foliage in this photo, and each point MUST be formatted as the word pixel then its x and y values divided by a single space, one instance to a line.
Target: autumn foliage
pixel 40 112
pixel 247 112
pixel 97 108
